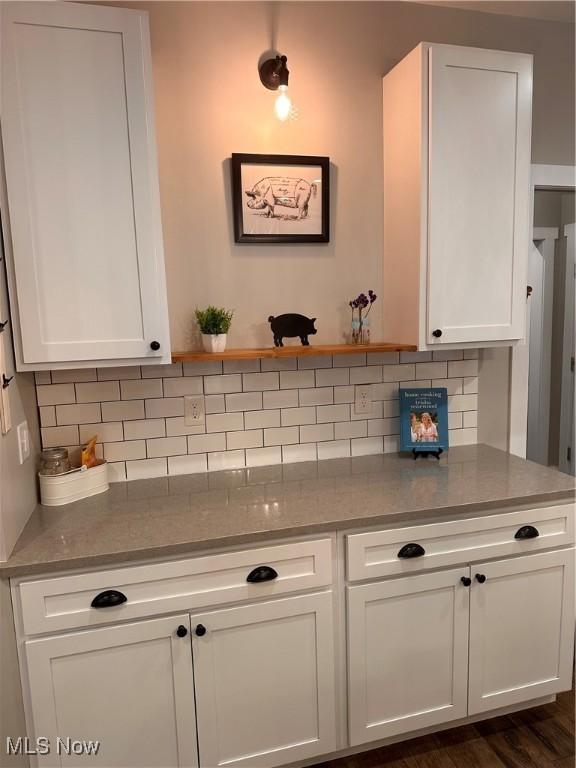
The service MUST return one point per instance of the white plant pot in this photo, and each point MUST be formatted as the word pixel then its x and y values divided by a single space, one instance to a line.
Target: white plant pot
pixel 214 342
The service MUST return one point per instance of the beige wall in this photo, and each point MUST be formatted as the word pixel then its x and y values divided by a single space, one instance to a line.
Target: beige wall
pixel 210 103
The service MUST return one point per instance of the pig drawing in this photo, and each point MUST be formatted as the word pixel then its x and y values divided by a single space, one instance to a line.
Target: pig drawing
pixel 290 326
pixel 285 191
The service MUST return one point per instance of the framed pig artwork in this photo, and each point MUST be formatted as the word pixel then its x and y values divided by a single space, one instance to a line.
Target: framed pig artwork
pixel 281 198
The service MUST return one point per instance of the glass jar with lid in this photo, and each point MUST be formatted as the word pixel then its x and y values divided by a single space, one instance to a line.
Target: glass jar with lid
pixel 54 461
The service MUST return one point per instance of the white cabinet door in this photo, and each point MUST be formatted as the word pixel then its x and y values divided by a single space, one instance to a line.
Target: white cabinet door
pixel 408 654
pixel 521 630
pixel 478 195
pixel 87 268
pixel 264 677
pixel 130 687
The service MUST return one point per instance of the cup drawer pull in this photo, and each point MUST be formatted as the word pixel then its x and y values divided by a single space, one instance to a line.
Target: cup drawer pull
pixel 108 599
pixel 411 550
pixel 262 573
pixel 527 532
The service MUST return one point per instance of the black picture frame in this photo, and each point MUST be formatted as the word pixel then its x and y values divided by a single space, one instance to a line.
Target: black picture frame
pixel 239 160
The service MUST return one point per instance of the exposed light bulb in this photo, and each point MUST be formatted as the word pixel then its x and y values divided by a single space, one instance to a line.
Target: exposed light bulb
pixel 283 105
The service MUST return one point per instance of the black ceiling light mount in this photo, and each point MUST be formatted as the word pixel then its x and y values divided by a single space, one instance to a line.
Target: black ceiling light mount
pixel 274 73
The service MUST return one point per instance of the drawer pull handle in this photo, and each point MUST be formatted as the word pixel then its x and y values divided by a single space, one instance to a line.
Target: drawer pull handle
pixel 108 599
pixel 466 581
pixel 262 573
pixel 480 578
pixel 411 550
pixel 181 631
pixel 527 532
pixel 200 630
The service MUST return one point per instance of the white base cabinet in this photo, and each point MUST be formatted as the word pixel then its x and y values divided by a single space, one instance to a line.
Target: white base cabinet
pixel 129 687
pixel 265 682
pixel 408 654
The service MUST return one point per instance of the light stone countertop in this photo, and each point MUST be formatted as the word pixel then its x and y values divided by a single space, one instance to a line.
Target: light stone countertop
pixel 185 514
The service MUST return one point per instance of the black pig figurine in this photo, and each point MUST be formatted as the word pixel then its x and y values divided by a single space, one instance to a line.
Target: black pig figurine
pixel 291 325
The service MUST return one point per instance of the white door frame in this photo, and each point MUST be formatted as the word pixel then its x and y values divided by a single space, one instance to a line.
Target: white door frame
pixel 541 279
pixel 543 177
pixel 568 397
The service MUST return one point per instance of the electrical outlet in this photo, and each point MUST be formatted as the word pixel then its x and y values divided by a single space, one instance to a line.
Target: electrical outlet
pixel 362 399
pixel 194 411
pixel 23 442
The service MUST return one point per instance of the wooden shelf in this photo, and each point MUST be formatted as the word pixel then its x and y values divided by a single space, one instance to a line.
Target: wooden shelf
pixel 293 351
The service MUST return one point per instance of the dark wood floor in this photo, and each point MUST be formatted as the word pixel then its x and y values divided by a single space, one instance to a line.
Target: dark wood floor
pixel 536 738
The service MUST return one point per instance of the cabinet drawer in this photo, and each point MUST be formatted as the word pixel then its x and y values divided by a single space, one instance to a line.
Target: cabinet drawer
pixel 375 554
pixel 65 602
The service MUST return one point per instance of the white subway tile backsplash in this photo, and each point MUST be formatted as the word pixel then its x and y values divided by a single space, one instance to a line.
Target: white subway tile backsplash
pixel 287 398
pixel 203 368
pixel 224 422
pixel 241 366
pixel 47 416
pixel 140 470
pixel 316 433
pixel 161 371
pixel 57 437
pixel 366 446
pixel 116 471
pixel 262 457
pixel 185 385
pixel 207 443
pixel 250 421
pixel 166 446
pixel 296 379
pixel 326 413
pixel 42 377
pixel 219 385
pixel 226 460
pixel 111 432
pixel 333 377
pixel 56 394
pixel 187 465
pixel 261 419
pixel 140 389
pixel 346 429
pixel 76 375
pixel 258 382
pixel 295 416
pixel 251 438
pixel 463 368
pixel 316 396
pixel 244 401
pixel 334 449
pixel 281 435
pixel 279 364
pixel 176 425
pixel 371 374
pixel 123 411
pixel 87 413
pixel 119 372
pixel 140 429
pixel 303 452
pixel 125 450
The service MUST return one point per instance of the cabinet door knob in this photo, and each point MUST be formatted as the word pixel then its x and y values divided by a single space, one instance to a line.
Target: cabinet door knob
pixel 437 333
pixel 108 599
pixel 411 550
pixel 181 631
pixel 262 573
pixel 480 578
pixel 527 532
pixel 155 346
pixel 466 581
pixel 200 630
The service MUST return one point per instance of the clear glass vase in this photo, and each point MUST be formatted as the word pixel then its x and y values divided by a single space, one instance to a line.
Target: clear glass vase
pixel 360 331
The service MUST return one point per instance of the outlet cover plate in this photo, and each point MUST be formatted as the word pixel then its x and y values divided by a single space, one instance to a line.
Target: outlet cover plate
pixel 363 399
pixel 194 411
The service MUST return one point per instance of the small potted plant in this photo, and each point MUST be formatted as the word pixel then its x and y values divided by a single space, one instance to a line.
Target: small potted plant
pixel 214 324
pixel 360 321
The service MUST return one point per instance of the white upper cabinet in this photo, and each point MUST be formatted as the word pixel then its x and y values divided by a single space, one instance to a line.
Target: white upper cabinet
pixel 457 125
pixel 86 262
